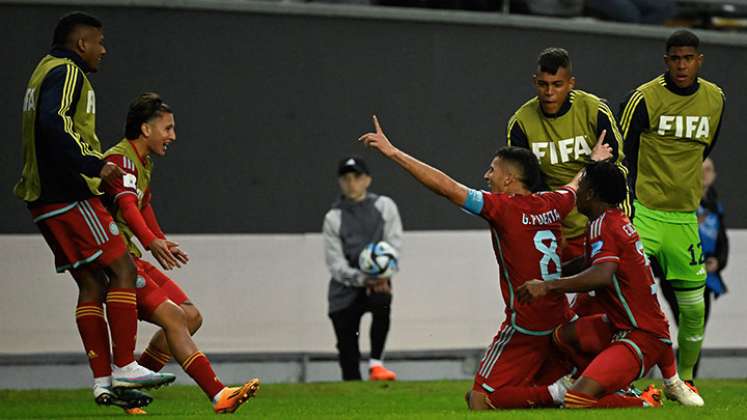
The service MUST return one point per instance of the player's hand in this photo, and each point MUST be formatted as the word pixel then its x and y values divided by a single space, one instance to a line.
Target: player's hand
pixel 382 285
pixel 711 264
pixel 533 289
pixel 180 255
pixel 111 173
pixel 161 250
pixel 378 285
pixel 378 140
pixel 601 150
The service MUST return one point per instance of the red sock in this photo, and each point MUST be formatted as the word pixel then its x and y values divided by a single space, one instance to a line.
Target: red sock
pixel 667 364
pixel 95 335
pixel 580 400
pixel 198 367
pixel 153 359
pixel 521 397
pixel 121 311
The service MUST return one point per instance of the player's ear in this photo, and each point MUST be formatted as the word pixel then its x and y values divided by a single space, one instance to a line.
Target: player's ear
pixel 367 180
pixel 572 82
pixel 145 129
pixel 80 44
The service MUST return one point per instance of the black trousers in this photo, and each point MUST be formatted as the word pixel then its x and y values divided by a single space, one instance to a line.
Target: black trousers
pixel 347 329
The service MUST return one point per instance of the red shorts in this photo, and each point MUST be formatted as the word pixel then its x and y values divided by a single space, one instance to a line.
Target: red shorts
pixel 628 357
pixel 80 234
pixel 516 359
pixel 572 248
pixel 154 288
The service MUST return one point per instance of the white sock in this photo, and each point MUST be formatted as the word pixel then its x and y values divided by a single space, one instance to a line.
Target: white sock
pixel 105 381
pixel 374 363
pixel 672 380
pixel 557 391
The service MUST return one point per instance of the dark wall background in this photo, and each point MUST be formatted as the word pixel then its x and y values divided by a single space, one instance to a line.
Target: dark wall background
pixel 267 104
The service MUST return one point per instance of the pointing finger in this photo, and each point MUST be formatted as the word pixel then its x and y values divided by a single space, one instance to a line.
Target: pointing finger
pixel 602 135
pixel 376 125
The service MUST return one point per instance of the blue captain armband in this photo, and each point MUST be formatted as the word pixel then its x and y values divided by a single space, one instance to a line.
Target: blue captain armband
pixel 474 202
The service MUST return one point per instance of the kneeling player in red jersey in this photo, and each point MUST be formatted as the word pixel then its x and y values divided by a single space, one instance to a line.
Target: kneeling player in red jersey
pixel 150 130
pixel 637 335
pixel 520 368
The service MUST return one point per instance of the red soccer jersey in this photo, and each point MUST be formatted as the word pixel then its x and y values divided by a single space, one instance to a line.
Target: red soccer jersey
pixel 526 231
pixel 630 302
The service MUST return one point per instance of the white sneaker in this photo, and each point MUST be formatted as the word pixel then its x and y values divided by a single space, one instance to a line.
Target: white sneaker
pixel 135 376
pixel 684 394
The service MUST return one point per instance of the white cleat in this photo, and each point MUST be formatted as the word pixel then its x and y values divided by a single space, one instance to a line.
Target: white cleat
pixel 684 394
pixel 134 376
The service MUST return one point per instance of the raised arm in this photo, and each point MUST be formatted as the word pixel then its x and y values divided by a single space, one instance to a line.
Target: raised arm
pixel 432 178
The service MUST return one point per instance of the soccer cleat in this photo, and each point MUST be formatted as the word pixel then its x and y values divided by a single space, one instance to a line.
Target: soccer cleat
pixel 684 393
pixel 380 373
pixel 135 411
pixel 125 398
pixel 630 391
pixel 651 397
pixel 134 376
pixel 231 398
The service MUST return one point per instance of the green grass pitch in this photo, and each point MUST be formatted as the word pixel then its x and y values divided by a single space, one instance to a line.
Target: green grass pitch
pixel 725 399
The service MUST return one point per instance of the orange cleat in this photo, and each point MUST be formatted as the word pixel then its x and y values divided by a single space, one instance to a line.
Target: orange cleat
pixel 380 373
pixel 231 398
pixel 135 411
pixel 652 397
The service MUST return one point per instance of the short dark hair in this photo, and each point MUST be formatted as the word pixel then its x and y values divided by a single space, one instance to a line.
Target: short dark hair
pixel 527 162
pixel 683 38
pixel 607 182
pixel 69 22
pixel 145 108
pixel 553 58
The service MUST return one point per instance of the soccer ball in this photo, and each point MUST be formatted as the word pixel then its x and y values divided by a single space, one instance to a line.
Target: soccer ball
pixel 378 260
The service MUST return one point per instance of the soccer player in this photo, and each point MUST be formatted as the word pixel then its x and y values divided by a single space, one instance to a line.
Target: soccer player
pixel 520 368
pixel 560 126
pixel 670 124
pixel 63 168
pixel 150 129
pixel 637 334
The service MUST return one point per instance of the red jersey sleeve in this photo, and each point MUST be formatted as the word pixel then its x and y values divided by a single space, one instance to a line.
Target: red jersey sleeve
pixel 150 216
pixel 563 199
pixel 604 246
pixel 135 220
pixel 494 206
pixel 127 185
